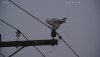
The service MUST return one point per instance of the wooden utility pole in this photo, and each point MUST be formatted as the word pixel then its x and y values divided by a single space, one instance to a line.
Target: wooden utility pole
pixel 0 38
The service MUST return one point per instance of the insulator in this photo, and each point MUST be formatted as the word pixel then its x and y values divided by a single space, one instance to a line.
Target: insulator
pixel 53 33
pixel 18 33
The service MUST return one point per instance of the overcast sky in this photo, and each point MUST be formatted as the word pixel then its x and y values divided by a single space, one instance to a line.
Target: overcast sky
pixel 81 31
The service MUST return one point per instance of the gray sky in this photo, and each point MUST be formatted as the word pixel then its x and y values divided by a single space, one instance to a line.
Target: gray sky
pixel 82 27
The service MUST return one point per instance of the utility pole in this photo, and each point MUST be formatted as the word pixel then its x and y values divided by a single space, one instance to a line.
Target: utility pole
pixel 0 38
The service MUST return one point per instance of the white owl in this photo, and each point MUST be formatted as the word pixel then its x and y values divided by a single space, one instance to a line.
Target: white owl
pixel 55 22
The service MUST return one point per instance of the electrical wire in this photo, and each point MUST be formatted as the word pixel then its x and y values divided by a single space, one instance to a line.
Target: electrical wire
pixel 22 35
pixel 16 51
pixel 29 13
pixel 8 24
pixel 68 44
pixel 44 24
pixel 13 27
pixel 57 45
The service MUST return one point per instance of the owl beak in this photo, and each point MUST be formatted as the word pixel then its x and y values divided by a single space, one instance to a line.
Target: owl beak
pixel 64 20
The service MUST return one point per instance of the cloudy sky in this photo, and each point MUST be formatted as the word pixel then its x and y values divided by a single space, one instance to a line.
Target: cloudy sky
pixel 81 31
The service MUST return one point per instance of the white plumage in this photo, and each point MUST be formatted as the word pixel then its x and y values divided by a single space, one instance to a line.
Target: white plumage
pixel 55 22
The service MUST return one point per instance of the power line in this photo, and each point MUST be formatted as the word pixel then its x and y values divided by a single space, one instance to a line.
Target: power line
pixel 44 24
pixel 22 34
pixel 29 13
pixel 8 24
pixel 16 51
pixel 13 28
pixel 70 47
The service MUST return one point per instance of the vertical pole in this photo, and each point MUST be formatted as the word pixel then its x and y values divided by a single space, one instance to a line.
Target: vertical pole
pixel 0 42
pixel 0 38
pixel 0 48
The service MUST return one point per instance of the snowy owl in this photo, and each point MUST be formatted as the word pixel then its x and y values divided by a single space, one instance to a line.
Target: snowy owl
pixel 55 22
